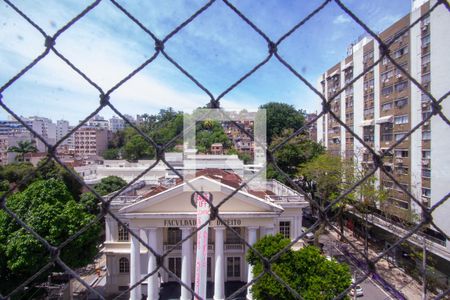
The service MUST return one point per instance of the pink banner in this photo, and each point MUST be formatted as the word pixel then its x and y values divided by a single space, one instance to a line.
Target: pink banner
pixel 201 262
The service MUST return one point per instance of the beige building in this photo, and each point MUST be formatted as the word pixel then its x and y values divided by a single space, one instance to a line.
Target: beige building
pixel 382 106
pixel 163 215
pixel 90 141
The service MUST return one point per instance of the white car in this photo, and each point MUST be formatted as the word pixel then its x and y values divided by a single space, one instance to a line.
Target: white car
pixel 359 291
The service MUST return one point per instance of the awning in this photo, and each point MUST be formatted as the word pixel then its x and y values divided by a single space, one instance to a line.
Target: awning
pixel 385 119
pixel 348 65
pixel 333 73
pixel 367 123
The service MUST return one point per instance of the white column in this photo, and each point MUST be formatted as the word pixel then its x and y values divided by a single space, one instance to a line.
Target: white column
pixel 186 264
pixel 219 271
pixel 135 265
pixel 152 281
pixel 251 240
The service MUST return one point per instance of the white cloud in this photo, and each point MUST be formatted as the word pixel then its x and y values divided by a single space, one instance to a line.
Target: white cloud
pixel 341 19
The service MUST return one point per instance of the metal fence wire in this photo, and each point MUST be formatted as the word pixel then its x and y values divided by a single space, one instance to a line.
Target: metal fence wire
pixel 272 54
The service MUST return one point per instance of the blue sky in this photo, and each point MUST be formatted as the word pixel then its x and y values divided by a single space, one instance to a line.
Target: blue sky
pixel 217 48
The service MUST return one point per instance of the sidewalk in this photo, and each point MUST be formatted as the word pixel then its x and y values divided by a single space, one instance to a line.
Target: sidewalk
pixel 396 277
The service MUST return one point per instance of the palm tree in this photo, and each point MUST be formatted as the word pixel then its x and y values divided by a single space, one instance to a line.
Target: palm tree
pixel 22 148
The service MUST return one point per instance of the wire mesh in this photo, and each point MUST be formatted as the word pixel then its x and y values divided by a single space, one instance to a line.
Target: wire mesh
pixel 50 43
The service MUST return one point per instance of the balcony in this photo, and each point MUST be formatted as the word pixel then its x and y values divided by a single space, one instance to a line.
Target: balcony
pixel 234 247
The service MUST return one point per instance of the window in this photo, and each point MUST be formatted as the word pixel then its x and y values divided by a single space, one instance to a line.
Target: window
pixel 401 86
pixel 401 153
pixel 400 52
pixel 401 169
pixel 425 59
pixel 368 132
pixel 387 75
pixel 426 192
pixel 401 204
pixel 425 41
pixel 426 135
pixel 387 184
pixel 387 90
pixel 173 235
pixel 368 111
pixel 426 78
pixel 234 266
pixel 349 90
pixel 386 106
pixel 426 114
pixel 399 136
pixel 368 56
pixel 231 237
pixel 123 233
pixel 175 266
pixel 426 154
pixel 124 265
pixel 401 119
pixel 426 172
pixel 285 229
pixel 399 103
pixel 386 132
pixel 368 84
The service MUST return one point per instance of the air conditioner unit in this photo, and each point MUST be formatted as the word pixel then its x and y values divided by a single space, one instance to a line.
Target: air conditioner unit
pixel 425 104
pixel 424 27
pixel 399 160
pixel 399 75
pixel 425 200
pixel 425 162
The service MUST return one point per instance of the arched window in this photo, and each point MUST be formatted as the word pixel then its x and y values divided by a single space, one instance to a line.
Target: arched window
pixel 124 265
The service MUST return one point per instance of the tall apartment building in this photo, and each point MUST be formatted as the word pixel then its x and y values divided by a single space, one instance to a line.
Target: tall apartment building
pixel 383 106
pixel 116 124
pixel 90 141
pixel 62 128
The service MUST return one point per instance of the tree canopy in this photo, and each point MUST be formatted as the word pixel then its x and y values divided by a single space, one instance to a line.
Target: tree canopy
pixel 281 116
pixel 306 271
pixel 109 184
pixel 130 145
pixel 49 209
pixel 208 133
pixel 297 151
pixel 106 186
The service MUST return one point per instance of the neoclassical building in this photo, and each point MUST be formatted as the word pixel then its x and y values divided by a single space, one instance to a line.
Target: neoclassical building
pixel 163 215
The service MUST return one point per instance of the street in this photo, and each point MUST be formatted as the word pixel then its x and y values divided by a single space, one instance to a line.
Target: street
pixel 371 290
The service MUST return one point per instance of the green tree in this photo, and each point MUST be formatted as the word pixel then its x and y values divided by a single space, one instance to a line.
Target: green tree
pixel 50 210
pixel 297 151
pixel 324 178
pixel 137 148
pixel 53 170
pixel 16 172
pixel 22 148
pixel 327 176
pixel 109 184
pixel 281 116
pixel 208 133
pixel 111 153
pixel 306 271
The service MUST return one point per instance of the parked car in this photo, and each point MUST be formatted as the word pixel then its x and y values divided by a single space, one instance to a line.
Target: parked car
pixel 358 290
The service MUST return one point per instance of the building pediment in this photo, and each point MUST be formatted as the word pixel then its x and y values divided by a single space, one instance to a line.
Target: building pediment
pixel 178 200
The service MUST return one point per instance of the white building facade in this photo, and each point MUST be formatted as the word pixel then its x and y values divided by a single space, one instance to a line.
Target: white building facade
pixel 166 216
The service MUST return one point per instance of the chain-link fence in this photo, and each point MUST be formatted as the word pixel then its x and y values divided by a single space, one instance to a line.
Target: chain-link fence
pixel 105 96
